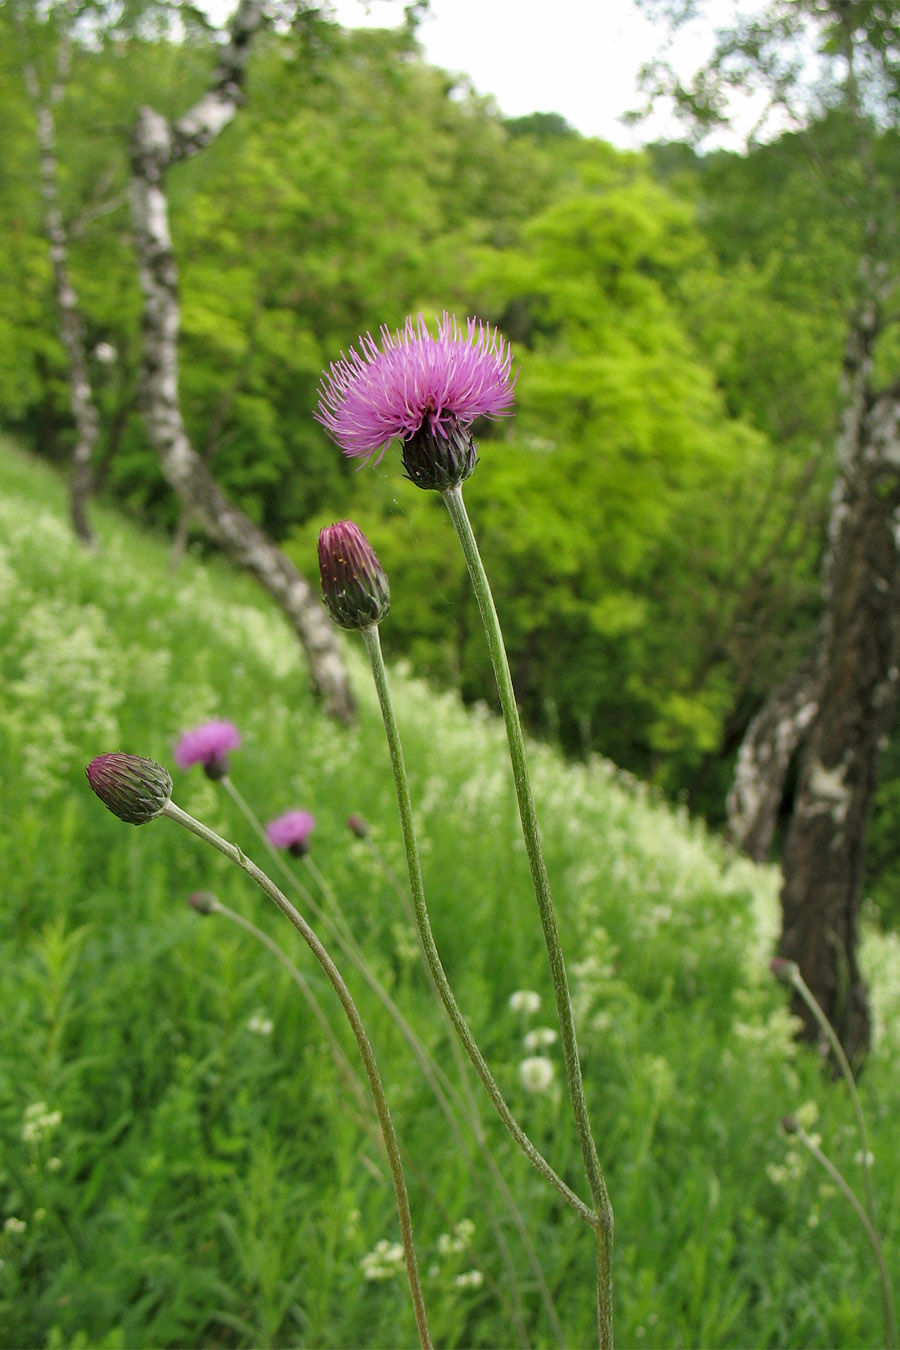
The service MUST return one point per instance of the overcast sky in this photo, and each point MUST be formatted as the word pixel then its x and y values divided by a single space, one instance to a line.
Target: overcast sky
pixel 579 58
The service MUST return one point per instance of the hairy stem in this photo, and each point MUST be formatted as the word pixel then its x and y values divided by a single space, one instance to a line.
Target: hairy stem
pixel 268 887
pixel 453 500
pixel 373 647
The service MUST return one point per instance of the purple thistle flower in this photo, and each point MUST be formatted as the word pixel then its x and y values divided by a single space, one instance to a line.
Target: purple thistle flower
pixel 425 390
pixel 208 745
pixel 291 831
pixel 354 585
pixel 134 789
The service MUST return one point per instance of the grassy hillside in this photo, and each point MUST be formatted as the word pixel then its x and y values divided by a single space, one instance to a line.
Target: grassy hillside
pixel 182 1162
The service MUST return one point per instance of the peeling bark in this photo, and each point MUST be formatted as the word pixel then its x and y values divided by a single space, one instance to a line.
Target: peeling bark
pixel 856 675
pixel 157 144
pixel 81 400
pixel 767 749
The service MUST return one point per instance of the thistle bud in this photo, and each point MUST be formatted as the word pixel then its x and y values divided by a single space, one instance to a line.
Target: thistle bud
pixel 785 971
pixel 359 826
pixel 134 789
pixel 354 586
pixel 204 902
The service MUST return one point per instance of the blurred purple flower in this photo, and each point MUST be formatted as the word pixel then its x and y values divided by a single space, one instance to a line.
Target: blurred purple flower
pixel 415 383
pixel 208 745
pixel 291 831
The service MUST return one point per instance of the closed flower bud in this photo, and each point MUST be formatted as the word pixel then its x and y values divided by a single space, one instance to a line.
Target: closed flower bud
pixel 354 586
pixel 134 789
pixel 204 902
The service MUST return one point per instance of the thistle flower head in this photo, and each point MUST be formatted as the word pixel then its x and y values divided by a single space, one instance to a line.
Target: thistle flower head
pixel 134 789
pixel 425 390
pixel 208 745
pixel 291 831
pixel 354 584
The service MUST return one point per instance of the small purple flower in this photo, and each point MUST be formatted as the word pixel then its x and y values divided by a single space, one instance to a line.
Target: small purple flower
pixel 208 745
pixel 291 831
pixel 134 789
pixel 354 585
pixel 425 390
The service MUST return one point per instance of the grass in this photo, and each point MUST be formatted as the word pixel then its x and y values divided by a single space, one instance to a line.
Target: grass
pixel 209 1180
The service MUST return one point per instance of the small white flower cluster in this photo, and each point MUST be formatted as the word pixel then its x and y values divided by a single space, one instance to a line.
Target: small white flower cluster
pixel 524 1001
pixel 540 1038
pixel 469 1279
pixel 260 1025
pixel 383 1262
pixel 458 1240
pixel 38 1122
pixel 14 1225
pixel 537 1073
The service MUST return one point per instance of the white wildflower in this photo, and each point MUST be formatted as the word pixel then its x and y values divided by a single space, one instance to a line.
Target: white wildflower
pixel 540 1038
pixel 524 1001
pixel 458 1240
pixel 536 1073
pixel 469 1279
pixel 383 1262
pixel 14 1225
pixel 260 1025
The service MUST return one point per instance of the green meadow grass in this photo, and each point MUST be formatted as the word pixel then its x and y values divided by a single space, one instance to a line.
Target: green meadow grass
pixel 181 1163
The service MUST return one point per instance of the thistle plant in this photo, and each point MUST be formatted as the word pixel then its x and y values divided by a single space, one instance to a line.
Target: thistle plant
pixel 426 392
pixel 139 790
pixel 207 746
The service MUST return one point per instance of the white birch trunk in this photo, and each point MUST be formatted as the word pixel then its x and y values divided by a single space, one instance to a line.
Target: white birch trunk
pixel 81 400
pixel 157 144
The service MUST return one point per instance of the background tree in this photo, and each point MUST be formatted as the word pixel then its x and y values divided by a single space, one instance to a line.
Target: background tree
pixel 845 709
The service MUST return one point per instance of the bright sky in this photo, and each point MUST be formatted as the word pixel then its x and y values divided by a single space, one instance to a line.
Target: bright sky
pixel 579 58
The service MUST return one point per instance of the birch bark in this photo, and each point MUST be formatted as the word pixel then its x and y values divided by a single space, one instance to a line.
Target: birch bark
pixel 158 144
pixel 71 327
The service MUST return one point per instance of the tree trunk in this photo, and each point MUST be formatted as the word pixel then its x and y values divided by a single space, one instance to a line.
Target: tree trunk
pixel 856 676
pixel 764 758
pixel 84 411
pixel 157 144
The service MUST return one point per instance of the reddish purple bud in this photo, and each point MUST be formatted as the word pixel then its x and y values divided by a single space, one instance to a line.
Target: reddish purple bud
pixel 292 831
pixel 208 745
pixel 354 586
pixel 134 789
pixel 790 1124
pixel 359 826
pixel 785 971
pixel 204 902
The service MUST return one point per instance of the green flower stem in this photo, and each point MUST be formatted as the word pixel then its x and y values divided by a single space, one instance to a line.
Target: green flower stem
pixel 268 887
pixel 438 1080
pixel 373 647
pixel 887 1298
pixel 474 1115
pixel 315 1007
pixel 453 500
pixel 809 998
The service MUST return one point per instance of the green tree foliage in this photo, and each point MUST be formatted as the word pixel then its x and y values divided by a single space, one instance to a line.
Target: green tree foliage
pixel 624 511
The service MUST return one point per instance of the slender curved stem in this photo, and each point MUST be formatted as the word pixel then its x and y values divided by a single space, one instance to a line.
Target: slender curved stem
pixel 887 1298
pixel 373 647
pixel 446 1094
pixel 343 1063
pixel 818 1013
pixel 268 887
pixel 474 1114
pixel 453 500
